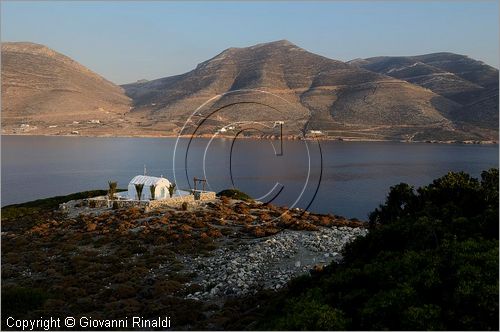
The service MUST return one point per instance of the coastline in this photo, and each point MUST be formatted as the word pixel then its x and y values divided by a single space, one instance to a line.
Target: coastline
pixel 288 138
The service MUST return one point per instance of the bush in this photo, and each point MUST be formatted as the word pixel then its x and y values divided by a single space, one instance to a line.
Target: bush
pixel 20 300
pixel 429 262
pixel 310 315
pixel 167 287
pixel 234 194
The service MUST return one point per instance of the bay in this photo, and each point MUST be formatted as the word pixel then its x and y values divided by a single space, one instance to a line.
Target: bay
pixel 343 178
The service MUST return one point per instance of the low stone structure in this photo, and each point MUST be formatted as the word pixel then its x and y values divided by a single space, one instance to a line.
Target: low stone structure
pixel 173 202
pixel 176 201
pixel 104 202
pixel 204 195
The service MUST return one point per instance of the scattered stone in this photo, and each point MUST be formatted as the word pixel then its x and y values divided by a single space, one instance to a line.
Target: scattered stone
pixel 268 263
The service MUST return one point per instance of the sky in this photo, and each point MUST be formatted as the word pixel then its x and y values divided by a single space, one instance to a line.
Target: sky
pixel 125 41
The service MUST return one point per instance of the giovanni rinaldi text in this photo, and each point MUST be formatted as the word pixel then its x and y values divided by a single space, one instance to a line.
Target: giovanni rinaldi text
pixel 51 323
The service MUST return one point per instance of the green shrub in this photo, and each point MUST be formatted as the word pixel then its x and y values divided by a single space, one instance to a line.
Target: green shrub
pixel 429 262
pixel 138 188
pixel 20 300
pixel 234 194
pixel 171 189
pixel 112 189
pixel 310 315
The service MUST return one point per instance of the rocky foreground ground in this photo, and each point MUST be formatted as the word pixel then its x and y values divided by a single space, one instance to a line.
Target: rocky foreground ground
pixel 188 262
pixel 269 263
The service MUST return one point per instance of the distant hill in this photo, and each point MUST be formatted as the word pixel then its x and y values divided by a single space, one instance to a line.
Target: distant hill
pixel 439 96
pixel 471 83
pixel 347 100
pixel 42 88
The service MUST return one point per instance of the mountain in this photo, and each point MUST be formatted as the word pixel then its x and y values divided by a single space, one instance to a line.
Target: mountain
pixel 471 83
pixel 44 92
pixel 348 100
pixel 439 96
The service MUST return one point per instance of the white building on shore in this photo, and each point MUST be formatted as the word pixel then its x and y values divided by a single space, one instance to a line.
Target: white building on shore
pixel 161 187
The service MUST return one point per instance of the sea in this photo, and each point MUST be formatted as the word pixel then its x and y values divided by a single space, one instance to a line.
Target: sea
pixel 343 178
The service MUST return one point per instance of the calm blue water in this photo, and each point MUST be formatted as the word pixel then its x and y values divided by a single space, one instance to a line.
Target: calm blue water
pixel 356 176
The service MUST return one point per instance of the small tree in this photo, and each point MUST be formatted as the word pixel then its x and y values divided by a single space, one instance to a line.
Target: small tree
pixel 152 189
pixel 171 189
pixel 138 189
pixel 112 189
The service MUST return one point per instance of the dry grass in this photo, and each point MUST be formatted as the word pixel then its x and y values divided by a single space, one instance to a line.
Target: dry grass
pixel 127 261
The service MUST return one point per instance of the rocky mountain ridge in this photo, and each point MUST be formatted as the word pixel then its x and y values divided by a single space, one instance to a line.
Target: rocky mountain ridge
pixel 471 83
pixel 440 97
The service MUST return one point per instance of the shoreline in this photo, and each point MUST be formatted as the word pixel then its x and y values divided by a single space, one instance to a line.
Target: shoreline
pixel 287 138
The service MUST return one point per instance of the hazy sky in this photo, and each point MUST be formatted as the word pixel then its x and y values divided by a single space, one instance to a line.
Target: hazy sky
pixel 127 41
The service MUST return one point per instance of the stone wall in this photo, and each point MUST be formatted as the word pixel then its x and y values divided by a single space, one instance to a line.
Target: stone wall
pixel 96 202
pixel 203 195
pixel 207 196
pixel 173 201
pixel 104 202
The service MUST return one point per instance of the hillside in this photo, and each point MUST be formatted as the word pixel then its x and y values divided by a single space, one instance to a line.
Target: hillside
pixel 435 97
pixel 471 83
pixel 340 99
pixel 43 90
pixel 198 266
pixel 429 262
